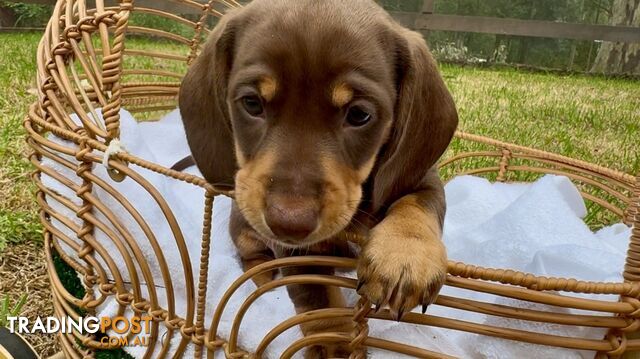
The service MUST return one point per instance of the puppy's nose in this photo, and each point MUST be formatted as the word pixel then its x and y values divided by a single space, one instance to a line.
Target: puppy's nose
pixel 291 217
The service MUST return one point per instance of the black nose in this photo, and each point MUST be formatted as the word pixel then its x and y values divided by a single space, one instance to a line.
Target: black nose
pixel 291 217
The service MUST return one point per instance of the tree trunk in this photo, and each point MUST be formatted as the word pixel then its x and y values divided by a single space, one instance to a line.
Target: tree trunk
pixel 620 57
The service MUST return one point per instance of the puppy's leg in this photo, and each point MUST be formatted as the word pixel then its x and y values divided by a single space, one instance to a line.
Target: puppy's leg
pixel 252 249
pixel 404 262
pixel 307 297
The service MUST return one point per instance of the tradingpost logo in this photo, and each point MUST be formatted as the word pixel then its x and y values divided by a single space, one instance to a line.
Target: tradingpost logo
pixel 130 332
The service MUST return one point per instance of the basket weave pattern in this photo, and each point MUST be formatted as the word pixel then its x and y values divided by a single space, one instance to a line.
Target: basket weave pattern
pixel 82 66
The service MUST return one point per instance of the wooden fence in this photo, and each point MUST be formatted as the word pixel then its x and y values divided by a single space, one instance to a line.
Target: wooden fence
pixel 427 20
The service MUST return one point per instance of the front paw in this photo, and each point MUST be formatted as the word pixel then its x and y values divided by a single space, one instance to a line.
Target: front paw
pixel 328 351
pixel 401 268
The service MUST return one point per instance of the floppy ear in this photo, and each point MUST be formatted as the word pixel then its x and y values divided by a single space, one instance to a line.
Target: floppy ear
pixel 425 121
pixel 203 106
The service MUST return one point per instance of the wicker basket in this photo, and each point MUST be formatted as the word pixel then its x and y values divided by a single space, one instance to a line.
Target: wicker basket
pixel 93 58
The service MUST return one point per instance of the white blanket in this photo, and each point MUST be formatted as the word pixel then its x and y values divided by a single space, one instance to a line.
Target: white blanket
pixel 537 228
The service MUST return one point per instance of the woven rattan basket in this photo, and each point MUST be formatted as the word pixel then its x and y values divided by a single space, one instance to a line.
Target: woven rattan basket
pixel 112 56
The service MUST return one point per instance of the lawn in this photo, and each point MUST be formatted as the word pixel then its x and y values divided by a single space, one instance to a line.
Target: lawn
pixel 591 118
pixel 17 79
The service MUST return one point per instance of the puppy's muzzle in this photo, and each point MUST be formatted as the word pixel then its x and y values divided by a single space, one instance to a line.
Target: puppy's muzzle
pixel 292 209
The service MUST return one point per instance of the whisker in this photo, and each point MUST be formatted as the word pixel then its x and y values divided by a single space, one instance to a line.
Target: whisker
pixel 358 210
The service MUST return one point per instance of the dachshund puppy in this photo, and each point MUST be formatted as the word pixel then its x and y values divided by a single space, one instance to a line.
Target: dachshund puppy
pixel 327 117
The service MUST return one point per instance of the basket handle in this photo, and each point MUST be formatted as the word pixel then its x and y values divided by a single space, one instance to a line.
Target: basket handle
pixel 112 71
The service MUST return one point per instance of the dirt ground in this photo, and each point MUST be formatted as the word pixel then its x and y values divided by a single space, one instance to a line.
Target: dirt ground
pixel 23 270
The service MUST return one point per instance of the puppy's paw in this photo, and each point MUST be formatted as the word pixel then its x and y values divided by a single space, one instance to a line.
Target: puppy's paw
pixel 401 268
pixel 262 278
pixel 327 351
pixel 335 325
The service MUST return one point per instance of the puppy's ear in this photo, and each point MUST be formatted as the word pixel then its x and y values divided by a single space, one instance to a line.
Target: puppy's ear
pixel 203 105
pixel 425 121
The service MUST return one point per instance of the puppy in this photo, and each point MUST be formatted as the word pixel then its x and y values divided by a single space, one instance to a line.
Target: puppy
pixel 327 117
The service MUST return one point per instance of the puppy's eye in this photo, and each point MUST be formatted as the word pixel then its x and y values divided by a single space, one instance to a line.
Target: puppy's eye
pixel 253 105
pixel 357 117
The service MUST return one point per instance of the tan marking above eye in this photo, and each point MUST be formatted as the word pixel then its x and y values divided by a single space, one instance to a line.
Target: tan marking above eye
pixel 342 94
pixel 268 87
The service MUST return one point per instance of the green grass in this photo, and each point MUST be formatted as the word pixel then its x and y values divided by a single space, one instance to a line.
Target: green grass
pixel 18 216
pixel 9 309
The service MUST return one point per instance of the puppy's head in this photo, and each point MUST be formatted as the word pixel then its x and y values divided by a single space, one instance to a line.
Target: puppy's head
pixel 306 106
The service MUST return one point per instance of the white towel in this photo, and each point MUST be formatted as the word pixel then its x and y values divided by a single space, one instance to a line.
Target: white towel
pixel 536 228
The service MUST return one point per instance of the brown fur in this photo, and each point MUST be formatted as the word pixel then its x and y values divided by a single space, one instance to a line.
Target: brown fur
pixel 300 163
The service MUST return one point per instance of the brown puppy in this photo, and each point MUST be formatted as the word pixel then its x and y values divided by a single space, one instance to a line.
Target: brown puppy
pixel 326 117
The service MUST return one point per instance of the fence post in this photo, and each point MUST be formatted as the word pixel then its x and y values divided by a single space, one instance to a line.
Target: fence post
pixel 428 6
